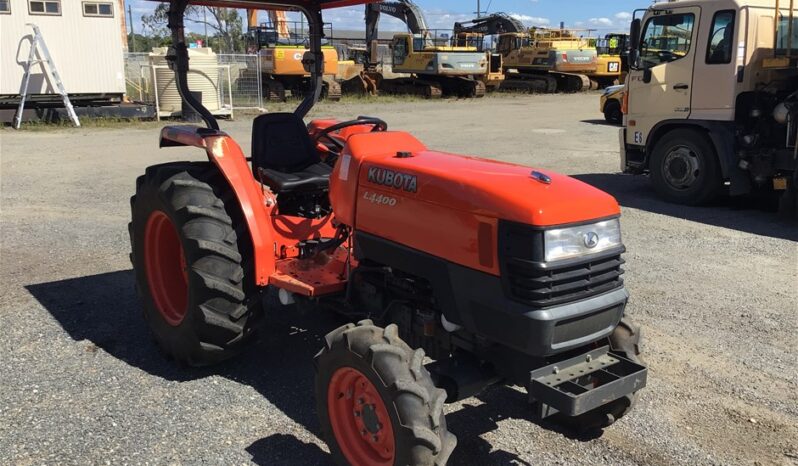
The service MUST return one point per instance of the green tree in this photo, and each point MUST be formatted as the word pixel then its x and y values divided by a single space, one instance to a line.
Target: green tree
pixel 225 23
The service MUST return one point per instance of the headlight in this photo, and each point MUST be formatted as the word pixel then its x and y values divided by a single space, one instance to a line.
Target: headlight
pixel 582 240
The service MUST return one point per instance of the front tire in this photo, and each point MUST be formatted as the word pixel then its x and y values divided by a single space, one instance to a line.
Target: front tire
pixel 191 256
pixel 685 169
pixel 376 402
pixel 612 112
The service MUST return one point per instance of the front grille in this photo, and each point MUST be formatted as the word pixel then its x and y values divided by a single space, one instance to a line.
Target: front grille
pixel 527 278
pixel 543 286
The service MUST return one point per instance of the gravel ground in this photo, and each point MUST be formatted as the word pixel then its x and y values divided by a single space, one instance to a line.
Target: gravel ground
pixel 715 288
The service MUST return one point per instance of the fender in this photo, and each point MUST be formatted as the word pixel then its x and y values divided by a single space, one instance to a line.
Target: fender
pixel 721 135
pixel 228 157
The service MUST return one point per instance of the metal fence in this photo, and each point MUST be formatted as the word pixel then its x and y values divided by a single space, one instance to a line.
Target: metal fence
pixel 246 84
pixel 238 82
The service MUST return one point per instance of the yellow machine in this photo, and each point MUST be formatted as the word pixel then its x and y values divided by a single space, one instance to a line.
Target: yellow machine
pixel 438 69
pixel 436 63
pixel 612 60
pixel 490 25
pixel 280 46
pixel 547 60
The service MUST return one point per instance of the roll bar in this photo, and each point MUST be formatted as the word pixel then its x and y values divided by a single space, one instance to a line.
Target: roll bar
pixel 177 57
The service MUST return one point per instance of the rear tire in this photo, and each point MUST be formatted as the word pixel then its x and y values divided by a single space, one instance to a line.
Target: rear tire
pixel 191 256
pixel 612 112
pixel 376 402
pixel 685 169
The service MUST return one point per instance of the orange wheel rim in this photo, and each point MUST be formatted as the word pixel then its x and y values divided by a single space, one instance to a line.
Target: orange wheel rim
pixel 165 263
pixel 359 419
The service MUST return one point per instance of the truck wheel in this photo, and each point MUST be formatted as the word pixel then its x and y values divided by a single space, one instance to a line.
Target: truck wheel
pixel 684 168
pixel 612 112
pixel 376 402
pixel 191 256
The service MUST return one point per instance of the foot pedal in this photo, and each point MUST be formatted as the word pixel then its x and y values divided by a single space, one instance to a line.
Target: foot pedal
pixel 577 385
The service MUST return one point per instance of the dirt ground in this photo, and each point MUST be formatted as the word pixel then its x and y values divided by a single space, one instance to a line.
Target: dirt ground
pixel 715 288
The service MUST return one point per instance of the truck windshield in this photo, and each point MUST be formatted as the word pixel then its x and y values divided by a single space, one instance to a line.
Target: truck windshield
pixel 787 45
pixel 666 38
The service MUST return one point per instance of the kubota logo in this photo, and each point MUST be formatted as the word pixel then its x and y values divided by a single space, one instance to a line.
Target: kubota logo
pixel 393 179
pixel 591 240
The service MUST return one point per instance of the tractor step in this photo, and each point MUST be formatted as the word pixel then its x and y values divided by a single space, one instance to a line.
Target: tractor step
pixel 577 385
pixel 321 275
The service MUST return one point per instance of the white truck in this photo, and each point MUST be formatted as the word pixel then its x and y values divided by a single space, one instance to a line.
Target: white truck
pixel 712 99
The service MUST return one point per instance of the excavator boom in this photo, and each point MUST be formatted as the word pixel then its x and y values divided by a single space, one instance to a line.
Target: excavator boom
pixel 496 23
pixel 311 5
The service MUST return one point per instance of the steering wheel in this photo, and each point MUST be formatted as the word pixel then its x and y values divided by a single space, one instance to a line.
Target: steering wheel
pixel 379 125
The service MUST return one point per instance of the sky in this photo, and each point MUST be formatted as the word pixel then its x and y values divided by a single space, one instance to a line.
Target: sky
pixel 442 14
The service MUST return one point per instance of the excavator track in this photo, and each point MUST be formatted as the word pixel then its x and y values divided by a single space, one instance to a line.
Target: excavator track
pixel 462 87
pixel 529 83
pixel 412 86
pixel 273 91
pixel 332 89
pixel 479 89
pixel 571 82
pixel 547 83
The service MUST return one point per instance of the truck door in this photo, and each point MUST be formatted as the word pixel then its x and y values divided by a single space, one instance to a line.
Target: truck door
pixel 661 88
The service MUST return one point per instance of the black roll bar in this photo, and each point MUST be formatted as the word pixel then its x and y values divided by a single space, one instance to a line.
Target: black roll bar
pixel 316 65
pixel 177 58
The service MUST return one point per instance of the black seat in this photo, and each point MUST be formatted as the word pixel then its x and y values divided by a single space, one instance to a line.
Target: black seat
pixel 284 157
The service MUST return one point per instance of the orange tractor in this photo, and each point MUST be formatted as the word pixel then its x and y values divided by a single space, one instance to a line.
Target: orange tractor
pixel 461 273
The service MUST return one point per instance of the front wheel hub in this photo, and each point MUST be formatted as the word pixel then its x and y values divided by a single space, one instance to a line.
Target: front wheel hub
pixel 360 420
pixel 681 168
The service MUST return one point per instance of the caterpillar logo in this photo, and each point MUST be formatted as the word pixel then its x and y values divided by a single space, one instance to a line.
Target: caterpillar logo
pixel 393 179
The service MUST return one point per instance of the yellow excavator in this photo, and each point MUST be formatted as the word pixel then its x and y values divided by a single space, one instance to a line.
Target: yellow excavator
pixel 434 64
pixel 547 60
pixel 613 59
pixel 281 46
pixel 494 24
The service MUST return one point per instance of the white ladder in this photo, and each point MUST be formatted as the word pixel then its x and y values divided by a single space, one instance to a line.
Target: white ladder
pixel 38 43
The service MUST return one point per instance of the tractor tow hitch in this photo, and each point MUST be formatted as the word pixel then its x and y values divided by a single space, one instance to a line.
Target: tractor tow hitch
pixel 582 383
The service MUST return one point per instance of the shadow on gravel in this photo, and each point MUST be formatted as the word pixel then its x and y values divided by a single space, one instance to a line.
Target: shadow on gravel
pixel 103 309
pixel 600 122
pixel 280 450
pixel 749 214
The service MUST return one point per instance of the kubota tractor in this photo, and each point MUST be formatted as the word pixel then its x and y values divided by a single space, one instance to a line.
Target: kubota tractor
pixel 461 272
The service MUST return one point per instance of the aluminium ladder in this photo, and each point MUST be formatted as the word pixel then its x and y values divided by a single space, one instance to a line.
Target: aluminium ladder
pixel 38 44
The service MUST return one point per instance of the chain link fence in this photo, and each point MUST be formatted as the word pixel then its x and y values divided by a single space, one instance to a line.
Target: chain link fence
pixel 235 79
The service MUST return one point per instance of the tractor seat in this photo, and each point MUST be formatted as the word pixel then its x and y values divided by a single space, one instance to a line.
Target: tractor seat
pixel 313 178
pixel 284 157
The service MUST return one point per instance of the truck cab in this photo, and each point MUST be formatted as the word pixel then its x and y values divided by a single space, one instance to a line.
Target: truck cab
pixel 709 97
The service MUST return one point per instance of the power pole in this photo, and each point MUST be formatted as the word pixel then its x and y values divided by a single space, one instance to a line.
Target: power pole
pixel 205 20
pixel 132 32
pixel 479 9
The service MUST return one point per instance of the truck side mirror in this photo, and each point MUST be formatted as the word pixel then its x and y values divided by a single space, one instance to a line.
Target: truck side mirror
pixel 634 43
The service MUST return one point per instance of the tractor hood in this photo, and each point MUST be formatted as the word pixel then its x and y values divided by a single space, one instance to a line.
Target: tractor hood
pixel 478 186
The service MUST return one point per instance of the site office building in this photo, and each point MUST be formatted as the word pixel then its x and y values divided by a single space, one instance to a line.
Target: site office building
pixel 86 39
